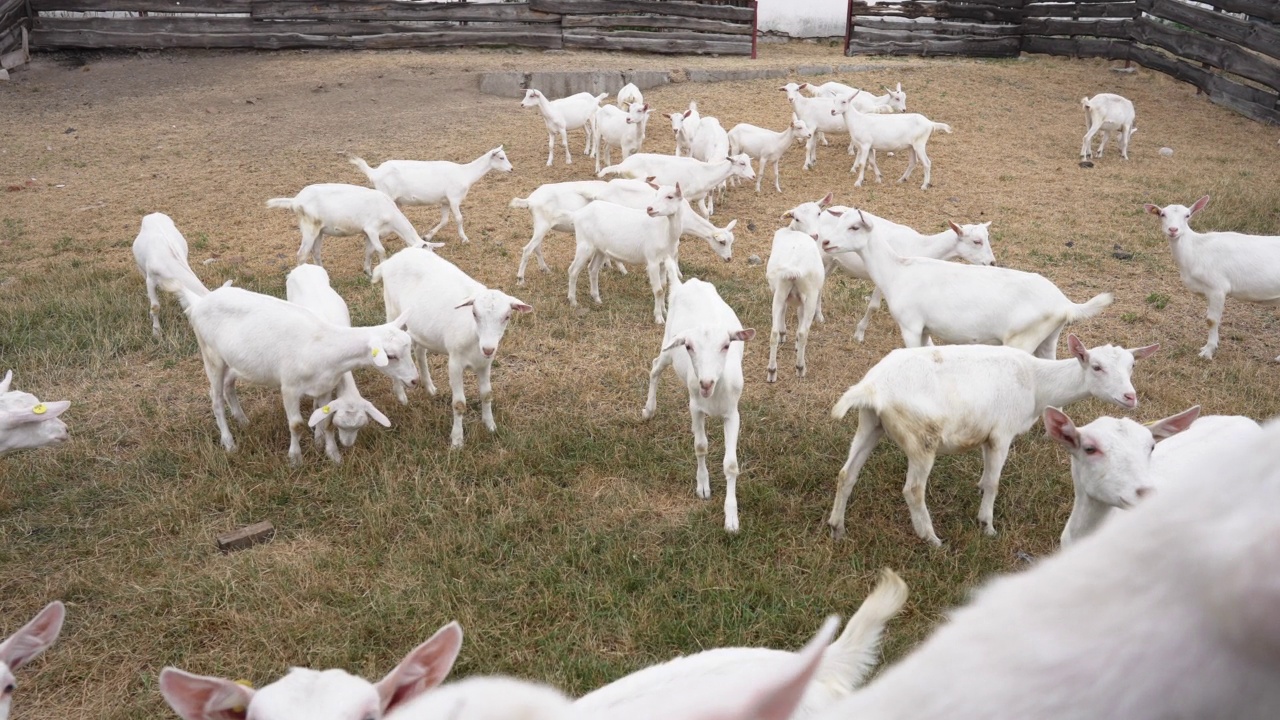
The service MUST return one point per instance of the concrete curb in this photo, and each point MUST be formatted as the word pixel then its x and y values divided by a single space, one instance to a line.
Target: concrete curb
pixel 563 84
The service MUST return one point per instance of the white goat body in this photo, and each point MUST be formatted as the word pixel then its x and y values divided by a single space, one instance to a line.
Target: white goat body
pixel 450 313
pixel 703 340
pixel 1116 462
pixel 24 645
pixel 820 117
pixel 662 689
pixel 346 411
pixel 1219 265
pixel 618 128
pixel 766 145
pixel 1109 113
pixel 434 182
pixel 339 210
pixel 1167 611
pixel 710 142
pixel 27 423
pixel 640 194
pixel 948 399
pixel 795 274
pixel 563 115
pixel 957 303
pixel 696 178
pixel 890 101
pixel 869 132
pixel 161 254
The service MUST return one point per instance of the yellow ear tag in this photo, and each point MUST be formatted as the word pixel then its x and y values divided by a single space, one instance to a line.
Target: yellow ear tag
pixel 326 410
pixel 39 409
pixel 243 683
pixel 375 352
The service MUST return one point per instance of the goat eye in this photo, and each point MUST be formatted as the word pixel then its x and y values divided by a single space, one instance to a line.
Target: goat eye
pixel 392 358
pixel 8 689
pixel 1097 368
pixel 1090 450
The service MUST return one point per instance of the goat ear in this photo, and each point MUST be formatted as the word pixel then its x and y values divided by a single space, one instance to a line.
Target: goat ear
pixel 4 384
pixel 1174 424
pixel 732 224
pixel 521 307
pixel 425 667
pixel 1199 205
pixel 318 415
pixel 687 113
pixel 379 356
pixel 865 222
pixel 1139 353
pixel 200 697
pixel 1153 209
pixel 1078 349
pixel 35 637
pixel 679 192
pixel 834 213
pixel 954 227
pixel 830 198
pixel 788 215
pixel 986 224
pixel 743 335
pixel 372 411
pixel 401 321
pixel 465 303
pixel 675 342
pixel 1059 427
pixel 39 412
pixel 899 87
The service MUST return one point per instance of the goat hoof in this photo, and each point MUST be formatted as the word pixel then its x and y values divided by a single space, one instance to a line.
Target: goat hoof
pixel 772 376
pixel 1086 164
pixel 837 531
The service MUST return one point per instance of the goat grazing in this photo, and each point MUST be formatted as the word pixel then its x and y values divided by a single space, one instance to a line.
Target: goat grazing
pixel 346 410
pixel 449 313
pixel 24 645
pixel 434 182
pixel 562 116
pixel 1109 113
pixel 27 423
pixel 795 274
pixel 948 399
pixel 161 253
pixel 337 209
pixel 703 340
pixel 1219 265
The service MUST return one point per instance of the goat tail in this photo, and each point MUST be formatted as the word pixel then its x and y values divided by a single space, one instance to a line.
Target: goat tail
pixel 859 396
pixel 361 165
pixel 943 127
pixel 1082 311
pixel 519 202
pixel 847 661
pixel 286 203
pixel 187 296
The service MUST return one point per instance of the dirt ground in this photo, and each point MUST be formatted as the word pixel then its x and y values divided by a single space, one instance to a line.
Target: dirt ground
pixel 91 143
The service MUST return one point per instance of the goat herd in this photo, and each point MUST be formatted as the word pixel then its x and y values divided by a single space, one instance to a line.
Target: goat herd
pixel 1167 611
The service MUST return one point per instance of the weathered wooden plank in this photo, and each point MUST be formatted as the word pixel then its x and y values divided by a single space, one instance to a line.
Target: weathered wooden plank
pixel 660 43
pixel 1265 9
pixel 352 10
pixel 1259 36
pixel 1098 10
pixel 914 44
pixel 964 29
pixel 1205 49
pixel 13 13
pixel 10 41
pixel 654 21
pixel 948 9
pixel 633 7
pixel 1060 26
pixel 1248 101
pixel 1110 48
pixel 246 537
pixel 224 25
pixel 531 36
pixel 168 6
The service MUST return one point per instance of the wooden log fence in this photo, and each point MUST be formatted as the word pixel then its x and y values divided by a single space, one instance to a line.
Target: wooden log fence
pixel 15 23
pixel 664 26
pixel 1230 50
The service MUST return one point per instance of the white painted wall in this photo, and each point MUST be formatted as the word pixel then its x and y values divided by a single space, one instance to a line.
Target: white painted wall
pixel 802 18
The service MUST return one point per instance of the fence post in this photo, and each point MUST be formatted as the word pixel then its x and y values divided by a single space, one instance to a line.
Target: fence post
pixel 848 27
pixel 755 26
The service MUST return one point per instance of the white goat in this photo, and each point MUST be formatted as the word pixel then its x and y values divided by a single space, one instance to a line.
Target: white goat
pixel 874 131
pixel 956 303
pixel 434 182
pixel 685 126
pixel 449 313
pixel 766 145
pixel 338 209
pixel 630 95
pixel 24 645
pixel 795 274
pixel 269 341
pixel 488 698
pixel 702 341
pixel 1219 265
pixel 696 177
pixel 662 689
pixel 347 410
pixel 305 694
pixel 604 230
pixel 710 142
pixel 620 129
pixel 161 252
pixel 27 423
pixel 1115 462
pixel 1166 612
pixel 971 243
pixel 1109 113
pixel 890 101
pixel 948 399
pixel 562 116
pixel 819 115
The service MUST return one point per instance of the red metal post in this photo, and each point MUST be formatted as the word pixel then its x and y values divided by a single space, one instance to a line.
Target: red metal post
pixel 755 26
pixel 848 27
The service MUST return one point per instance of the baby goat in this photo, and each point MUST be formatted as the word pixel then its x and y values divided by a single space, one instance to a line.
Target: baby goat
pixel 161 253
pixel 1109 113
pixel 27 423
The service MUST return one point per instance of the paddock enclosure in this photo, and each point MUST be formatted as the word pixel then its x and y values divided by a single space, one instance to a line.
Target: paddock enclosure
pixel 570 544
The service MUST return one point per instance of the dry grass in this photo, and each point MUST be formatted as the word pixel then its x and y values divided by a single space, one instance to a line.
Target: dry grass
pixel 570 544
